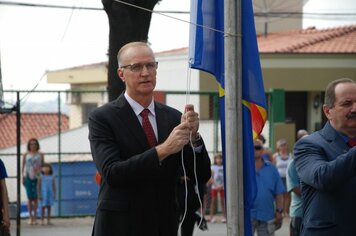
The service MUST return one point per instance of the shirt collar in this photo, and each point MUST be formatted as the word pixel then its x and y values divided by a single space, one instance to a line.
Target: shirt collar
pixel 137 108
pixel 345 138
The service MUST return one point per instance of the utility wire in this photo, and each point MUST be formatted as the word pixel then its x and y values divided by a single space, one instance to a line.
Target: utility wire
pixel 172 17
pixel 72 7
pixel 280 14
pixel 23 99
pixel 257 14
pixel 47 6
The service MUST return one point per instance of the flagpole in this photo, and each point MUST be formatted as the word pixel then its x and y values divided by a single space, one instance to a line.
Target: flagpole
pixel 233 118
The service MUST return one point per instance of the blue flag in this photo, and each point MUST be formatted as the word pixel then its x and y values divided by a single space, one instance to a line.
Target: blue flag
pixel 206 52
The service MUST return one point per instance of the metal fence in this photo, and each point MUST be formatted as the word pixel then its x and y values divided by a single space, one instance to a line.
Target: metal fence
pixel 58 119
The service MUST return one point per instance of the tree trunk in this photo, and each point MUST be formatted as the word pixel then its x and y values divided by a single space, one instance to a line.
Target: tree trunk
pixel 127 24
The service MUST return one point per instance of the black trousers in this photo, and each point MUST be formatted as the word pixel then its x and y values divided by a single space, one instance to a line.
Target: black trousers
pixel 187 227
pixel 295 225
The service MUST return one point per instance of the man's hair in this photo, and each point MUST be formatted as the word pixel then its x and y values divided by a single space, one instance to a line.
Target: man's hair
pixel 329 99
pixel 280 142
pixel 46 164
pixel 301 133
pixel 127 46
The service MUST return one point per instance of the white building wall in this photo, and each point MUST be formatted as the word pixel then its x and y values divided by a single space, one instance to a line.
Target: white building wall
pixel 74 140
pixel 173 72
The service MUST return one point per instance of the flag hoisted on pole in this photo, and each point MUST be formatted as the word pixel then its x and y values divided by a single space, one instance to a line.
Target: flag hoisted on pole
pixel 223 42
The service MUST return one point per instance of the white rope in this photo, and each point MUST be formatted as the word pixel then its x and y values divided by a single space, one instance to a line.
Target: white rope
pixel 186 193
pixel 196 188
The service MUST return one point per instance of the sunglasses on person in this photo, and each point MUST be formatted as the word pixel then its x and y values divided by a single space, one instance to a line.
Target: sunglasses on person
pixel 258 147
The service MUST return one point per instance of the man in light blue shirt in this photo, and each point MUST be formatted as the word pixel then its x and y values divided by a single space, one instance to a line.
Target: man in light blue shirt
pixel 293 186
pixel 295 209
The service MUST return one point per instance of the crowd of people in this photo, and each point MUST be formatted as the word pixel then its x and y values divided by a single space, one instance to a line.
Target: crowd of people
pixel 39 183
pixel 277 181
pixel 319 174
pixel 138 159
pixel 326 165
pixel 155 172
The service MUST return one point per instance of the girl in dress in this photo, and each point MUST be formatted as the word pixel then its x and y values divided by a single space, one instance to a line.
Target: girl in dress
pixel 217 187
pixel 46 191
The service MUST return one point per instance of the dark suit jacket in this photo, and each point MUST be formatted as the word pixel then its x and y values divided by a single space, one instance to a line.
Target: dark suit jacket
pixel 137 193
pixel 327 170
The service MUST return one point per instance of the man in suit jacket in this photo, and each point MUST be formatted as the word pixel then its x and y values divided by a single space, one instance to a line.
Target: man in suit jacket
pixel 326 165
pixel 137 192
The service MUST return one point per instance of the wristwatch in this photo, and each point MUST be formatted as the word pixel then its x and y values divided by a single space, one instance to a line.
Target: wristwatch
pixel 198 141
pixel 279 210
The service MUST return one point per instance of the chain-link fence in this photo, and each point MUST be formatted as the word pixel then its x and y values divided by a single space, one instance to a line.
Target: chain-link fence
pixel 58 119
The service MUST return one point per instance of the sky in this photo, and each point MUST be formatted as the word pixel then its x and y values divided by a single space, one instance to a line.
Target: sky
pixel 34 40
pixel 329 6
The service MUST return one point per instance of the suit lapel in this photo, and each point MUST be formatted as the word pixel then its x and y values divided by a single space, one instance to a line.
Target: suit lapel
pixel 333 138
pixel 129 118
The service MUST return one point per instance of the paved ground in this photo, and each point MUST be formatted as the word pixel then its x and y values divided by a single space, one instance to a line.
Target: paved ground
pixel 60 227
pixel 82 227
pixel 219 229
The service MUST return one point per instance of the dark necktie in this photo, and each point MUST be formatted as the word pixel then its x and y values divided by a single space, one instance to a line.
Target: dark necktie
pixel 147 127
pixel 352 142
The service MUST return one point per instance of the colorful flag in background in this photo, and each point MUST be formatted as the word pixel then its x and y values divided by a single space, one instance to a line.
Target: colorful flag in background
pixel 206 52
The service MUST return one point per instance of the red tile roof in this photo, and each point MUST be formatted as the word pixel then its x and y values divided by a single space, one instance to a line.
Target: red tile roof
pixel 86 66
pixel 311 40
pixel 33 125
pixel 184 49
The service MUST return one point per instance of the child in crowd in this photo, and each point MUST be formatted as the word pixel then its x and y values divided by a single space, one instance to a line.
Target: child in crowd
pixel 46 191
pixel 217 187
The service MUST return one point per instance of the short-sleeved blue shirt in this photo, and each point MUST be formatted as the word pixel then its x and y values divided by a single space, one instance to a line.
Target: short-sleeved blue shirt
pixel 3 173
pixel 269 184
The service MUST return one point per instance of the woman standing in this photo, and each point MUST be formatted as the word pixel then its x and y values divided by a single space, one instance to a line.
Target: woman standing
pixel 281 160
pixel 32 162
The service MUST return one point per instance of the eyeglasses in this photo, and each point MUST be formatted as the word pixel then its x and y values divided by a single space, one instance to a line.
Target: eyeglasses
pixel 258 147
pixel 138 67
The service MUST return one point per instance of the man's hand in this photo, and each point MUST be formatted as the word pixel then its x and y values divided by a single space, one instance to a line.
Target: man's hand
pixel 192 119
pixel 6 221
pixel 175 141
pixel 278 220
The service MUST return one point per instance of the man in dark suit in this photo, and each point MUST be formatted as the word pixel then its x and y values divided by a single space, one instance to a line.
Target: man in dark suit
pixel 326 165
pixel 138 155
